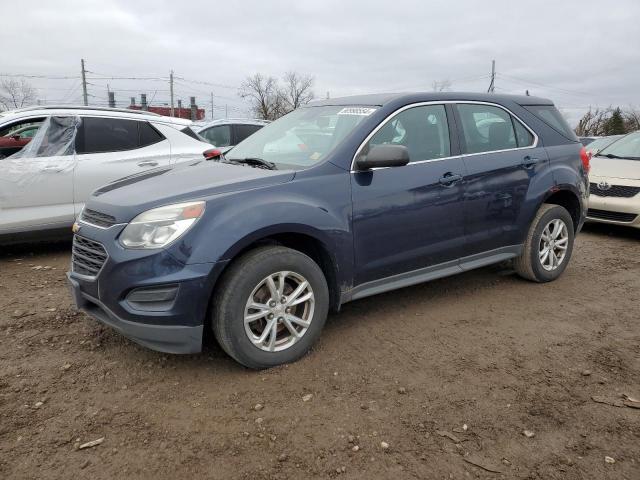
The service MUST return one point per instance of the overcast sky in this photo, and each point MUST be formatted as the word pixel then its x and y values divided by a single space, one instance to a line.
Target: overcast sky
pixel 577 52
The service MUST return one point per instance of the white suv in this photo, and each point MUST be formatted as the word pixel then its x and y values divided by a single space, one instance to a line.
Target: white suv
pixel 75 151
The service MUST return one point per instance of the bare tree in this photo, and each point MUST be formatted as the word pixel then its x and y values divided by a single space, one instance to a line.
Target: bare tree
pixel 16 93
pixel 441 85
pixel 296 90
pixel 631 119
pixel 263 95
pixel 593 122
pixel 270 100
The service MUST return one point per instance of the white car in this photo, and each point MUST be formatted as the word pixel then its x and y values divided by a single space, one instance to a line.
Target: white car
pixel 44 186
pixel 615 183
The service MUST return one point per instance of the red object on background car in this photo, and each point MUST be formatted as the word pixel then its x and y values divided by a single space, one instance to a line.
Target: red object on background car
pixel 211 153
pixel 14 141
pixel 585 157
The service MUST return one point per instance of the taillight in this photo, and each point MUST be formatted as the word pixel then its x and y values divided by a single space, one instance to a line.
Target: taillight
pixel 211 153
pixel 585 157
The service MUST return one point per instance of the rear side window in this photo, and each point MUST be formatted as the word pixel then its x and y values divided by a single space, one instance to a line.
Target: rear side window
pixel 107 135
pixel 148 134
pixel 524 137
pixel 423 130
pixel 191 133
pixel 243 131
pixel 486 128
pixel 100 135
pixel 552 117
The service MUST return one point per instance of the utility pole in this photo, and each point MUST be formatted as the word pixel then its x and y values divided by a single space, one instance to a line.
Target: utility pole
pixel 84 83
pixel 171 90
pixel 194 109
pixel 112 99
pixel 492 85
pixel 226 111
pixel 211 105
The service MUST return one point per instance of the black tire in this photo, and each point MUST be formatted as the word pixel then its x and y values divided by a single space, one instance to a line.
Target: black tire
pixel 528 265
pixel 237 285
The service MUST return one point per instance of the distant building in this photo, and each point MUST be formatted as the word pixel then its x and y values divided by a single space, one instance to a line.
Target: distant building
pixel 177 112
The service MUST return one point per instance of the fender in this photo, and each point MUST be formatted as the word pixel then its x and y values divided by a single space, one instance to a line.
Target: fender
pixel 318 206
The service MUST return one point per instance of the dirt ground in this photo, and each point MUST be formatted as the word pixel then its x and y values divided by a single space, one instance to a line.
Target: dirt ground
pixel 409 368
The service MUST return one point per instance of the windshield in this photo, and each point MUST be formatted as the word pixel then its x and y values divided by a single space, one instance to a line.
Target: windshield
pixel 600 143
pixel 302 138
pixel 627 147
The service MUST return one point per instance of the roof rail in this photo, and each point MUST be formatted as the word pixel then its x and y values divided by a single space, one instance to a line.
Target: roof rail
pixel 85 107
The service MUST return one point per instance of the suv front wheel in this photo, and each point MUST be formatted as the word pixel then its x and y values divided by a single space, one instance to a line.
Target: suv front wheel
pixel 270 307
pixel 548 245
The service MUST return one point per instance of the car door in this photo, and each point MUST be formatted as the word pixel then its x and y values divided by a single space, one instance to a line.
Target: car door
pixel 501 157
pixel 409 218
pixel 36 184
pixel 109 148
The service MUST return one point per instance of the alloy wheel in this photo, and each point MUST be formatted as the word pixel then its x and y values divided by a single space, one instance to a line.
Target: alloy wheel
pixel 279 311
pixel 553 244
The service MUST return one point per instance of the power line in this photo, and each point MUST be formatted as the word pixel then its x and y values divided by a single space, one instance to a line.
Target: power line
pixel 210 84
pixel 46 77
pixel 530 82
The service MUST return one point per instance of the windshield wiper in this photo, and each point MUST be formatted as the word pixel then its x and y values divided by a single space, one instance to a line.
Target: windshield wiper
pixel 611 155
pixel 254 162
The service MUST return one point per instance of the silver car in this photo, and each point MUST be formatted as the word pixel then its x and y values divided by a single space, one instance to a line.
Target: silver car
pixel 75 151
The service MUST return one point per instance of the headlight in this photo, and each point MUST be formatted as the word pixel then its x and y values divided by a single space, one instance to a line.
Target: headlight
pixel 159 227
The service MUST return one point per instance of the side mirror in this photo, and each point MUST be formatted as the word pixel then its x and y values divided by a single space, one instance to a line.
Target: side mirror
pixel 384 156
pixel 212 154
pixel 15 137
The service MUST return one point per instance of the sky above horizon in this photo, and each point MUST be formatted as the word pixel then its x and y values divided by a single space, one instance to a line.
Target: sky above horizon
pixel 578 53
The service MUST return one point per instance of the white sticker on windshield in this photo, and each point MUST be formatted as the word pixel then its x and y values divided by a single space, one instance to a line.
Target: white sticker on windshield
pixel 362 111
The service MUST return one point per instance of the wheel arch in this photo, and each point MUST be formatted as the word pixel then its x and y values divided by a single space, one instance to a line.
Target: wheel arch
pixel 569 199
pixel 302 238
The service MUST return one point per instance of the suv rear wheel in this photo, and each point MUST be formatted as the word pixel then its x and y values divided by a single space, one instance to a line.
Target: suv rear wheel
pixel 548 246
pixel 270 307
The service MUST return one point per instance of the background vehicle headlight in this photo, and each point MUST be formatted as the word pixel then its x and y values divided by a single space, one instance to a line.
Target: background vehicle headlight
pixel 159 227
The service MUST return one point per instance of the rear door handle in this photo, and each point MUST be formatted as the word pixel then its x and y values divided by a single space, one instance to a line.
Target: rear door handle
pixel 529 162
pixel 148 163
pixel 51 169
pixel 448 179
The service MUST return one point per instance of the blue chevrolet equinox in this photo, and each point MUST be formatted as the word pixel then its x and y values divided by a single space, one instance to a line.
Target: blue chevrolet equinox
pixel 336 201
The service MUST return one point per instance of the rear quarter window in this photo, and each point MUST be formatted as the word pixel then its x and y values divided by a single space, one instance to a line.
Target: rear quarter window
pixel 190 133
pixel 552 117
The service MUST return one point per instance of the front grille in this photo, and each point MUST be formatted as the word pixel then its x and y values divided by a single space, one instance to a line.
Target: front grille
pixel 613 216
pixel 622 191
pixel 87 256
pixel 97 218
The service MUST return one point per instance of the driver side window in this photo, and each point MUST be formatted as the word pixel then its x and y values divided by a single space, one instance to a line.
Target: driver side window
pixel 423 130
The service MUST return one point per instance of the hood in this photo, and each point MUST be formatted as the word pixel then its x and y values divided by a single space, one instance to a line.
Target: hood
pixel 615 168
pixel 129 196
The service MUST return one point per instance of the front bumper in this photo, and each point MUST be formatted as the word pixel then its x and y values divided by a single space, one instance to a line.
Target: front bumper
pixel 614 210
pixel 163 338
pixel 174 326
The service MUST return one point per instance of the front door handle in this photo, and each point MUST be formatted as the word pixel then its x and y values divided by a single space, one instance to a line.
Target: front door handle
pixel 529 162
pixel 448 179
pixel 148 163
